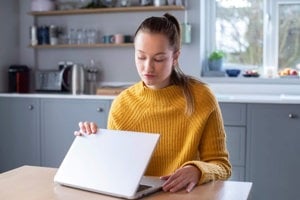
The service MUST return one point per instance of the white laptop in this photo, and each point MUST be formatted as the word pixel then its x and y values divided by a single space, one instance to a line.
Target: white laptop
pixel 110 162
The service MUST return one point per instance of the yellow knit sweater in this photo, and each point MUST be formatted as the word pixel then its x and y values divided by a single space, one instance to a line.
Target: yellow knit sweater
pixel 198 139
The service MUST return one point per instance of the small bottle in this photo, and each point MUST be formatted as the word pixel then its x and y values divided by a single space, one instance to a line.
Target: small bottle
pixel 53 35
pixel 33 35
pixel 92 72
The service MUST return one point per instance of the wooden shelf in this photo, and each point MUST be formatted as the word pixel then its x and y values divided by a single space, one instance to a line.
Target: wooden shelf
pixel 61 46
pixel 106 10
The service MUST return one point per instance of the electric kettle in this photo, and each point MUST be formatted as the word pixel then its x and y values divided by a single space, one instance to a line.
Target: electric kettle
pixel 78 79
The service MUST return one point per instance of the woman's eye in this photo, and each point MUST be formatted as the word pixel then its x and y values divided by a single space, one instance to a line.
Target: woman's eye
pixel 159 59
pixel 141 58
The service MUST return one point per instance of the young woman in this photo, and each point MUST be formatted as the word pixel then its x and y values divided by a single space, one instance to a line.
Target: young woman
pixel 184 111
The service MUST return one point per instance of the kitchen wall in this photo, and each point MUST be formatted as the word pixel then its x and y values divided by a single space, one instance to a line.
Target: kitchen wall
pixel 9 40
pixel 117 63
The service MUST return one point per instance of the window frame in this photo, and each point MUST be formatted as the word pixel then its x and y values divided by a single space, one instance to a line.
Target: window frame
pixel 270 48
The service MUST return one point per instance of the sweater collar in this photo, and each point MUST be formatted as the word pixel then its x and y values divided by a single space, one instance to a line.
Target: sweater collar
pixel 165 95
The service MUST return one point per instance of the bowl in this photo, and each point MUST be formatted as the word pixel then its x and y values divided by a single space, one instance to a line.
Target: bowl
pixel 233 72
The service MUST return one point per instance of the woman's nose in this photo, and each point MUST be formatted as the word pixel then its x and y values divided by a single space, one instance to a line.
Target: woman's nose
pixel 149 65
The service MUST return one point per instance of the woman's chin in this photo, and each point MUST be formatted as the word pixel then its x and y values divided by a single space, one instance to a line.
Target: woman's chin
pixel 149 84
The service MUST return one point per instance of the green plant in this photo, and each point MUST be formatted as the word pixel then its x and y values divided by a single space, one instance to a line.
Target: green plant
pixel 216 55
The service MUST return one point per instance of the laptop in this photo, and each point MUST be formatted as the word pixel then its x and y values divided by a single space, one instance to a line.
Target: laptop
pixel 110 162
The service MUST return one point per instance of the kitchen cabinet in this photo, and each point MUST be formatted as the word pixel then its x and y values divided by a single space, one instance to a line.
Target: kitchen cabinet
pixel 59 120
pixel 20 139
pixel 274 135
pixel 234 116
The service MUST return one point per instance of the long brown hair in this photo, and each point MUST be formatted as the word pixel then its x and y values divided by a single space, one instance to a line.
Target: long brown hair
pixel 169 26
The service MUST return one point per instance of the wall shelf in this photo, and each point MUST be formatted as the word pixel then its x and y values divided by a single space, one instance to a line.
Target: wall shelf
pixel 65 46
pixel 106 10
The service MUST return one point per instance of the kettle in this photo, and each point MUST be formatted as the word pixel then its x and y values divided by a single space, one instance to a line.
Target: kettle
pixel 78 79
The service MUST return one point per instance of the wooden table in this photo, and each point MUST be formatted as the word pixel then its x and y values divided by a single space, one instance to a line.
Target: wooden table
pixel 36 183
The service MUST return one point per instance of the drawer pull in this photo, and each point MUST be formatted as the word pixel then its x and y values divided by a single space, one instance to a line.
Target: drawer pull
pixel 30 107
pixel 292 116
pixel 100 109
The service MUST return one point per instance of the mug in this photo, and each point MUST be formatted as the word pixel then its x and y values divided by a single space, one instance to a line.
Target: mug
pixel 108 39
pixel 128 38
pixel 118 38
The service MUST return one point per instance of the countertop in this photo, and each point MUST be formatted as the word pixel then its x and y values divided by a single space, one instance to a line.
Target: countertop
pixel 234 98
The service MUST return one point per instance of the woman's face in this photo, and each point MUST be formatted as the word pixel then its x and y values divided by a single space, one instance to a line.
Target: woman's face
pixel 154 59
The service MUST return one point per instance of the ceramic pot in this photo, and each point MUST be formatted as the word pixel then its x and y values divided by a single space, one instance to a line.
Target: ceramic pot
pixel 42 5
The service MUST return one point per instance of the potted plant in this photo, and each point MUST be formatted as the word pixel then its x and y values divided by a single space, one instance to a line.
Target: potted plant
pixel 215 60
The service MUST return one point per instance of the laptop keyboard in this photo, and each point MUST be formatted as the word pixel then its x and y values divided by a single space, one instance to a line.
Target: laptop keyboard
pixel 143 187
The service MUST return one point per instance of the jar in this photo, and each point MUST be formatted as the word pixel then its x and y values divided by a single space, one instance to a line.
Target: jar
pixel 159 2
pixel 42 5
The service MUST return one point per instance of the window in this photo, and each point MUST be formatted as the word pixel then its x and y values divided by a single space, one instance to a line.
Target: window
pixel 288 35
pixel 254 34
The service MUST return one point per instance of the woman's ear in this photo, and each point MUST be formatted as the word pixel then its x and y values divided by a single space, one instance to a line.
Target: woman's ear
pixel 176 57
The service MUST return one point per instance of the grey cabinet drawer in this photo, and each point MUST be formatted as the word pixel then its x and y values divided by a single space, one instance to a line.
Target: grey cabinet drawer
pixel 19 143
pixel 236 140
pixel 60 119
pixel 233 113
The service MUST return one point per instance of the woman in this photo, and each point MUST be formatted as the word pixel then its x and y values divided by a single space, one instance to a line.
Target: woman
pixel 192 147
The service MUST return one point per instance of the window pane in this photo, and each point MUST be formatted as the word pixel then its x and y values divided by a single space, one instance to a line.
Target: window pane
pixel 239 31
pixel 289 36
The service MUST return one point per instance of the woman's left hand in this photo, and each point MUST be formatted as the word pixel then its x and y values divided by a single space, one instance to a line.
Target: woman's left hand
pixel 186 178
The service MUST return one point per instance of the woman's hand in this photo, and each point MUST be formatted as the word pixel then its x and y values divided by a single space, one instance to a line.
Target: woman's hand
pixel 186 178
pixel 86 128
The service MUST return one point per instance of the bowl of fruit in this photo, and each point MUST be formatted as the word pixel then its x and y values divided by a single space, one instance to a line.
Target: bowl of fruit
pixel 251 73
pixel 288 73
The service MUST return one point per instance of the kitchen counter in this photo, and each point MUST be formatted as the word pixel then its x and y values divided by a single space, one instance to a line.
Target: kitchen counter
pixel 234 98
pixel 57 96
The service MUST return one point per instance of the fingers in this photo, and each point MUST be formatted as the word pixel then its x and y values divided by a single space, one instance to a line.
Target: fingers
pixel 165 177
pixel 174 183
pixel 190 186
pixel 86 128
pixel 77 133
pixel 183 178
pixel 94 127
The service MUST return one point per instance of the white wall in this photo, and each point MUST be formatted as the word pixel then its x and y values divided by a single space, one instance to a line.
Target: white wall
pixel 9 40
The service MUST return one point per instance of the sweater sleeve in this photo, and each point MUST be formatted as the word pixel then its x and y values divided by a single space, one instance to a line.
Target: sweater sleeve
pixel 214 158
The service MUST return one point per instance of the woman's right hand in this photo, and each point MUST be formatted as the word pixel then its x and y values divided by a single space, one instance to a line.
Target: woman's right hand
pixel 86 128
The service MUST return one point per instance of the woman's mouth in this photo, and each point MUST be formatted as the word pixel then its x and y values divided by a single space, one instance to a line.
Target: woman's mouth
pixel 149 76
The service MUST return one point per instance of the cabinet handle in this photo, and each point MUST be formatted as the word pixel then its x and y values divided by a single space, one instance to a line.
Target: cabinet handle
pixel 30 107
pixel 292 116
pixel 100 109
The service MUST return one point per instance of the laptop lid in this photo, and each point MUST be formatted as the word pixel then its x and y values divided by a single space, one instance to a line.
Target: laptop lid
pixel 110 162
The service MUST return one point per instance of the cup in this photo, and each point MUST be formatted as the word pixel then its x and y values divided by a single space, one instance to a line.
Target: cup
pixel 72 36
pixel 128 38
pixel 91 35
pixel 159 2
pixel 145 2
pixel 119 38
pixel 125 3
pixel 81 37
pixel 108 39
